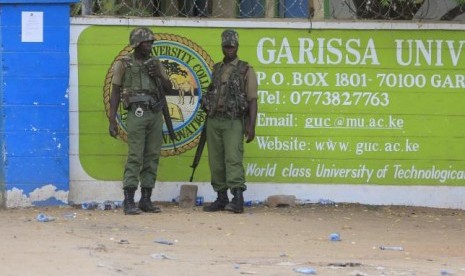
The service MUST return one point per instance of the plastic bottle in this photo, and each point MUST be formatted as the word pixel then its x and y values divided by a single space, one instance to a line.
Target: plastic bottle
pixel 107 205
pixel 89 205
pixel 303 202
pixel 326 202
pixel 334 237
pixel 251 203
pixel 70 215
pixel 163 241
pixel 199 201
pixel 118 204
pixel 44 218
pixel 305 270
pixel 393 248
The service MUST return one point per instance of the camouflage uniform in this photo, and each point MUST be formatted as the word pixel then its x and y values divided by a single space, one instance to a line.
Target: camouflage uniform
pixel 141 98
pixel 233 84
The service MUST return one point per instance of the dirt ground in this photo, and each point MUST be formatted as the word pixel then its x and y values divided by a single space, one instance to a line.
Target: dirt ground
pixel 261 241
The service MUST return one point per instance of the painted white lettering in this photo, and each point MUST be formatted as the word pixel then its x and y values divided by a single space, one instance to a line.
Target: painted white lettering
pixel 320 51
pixel 270 54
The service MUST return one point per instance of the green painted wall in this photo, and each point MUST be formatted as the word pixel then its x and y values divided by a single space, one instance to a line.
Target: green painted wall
pixel 335 106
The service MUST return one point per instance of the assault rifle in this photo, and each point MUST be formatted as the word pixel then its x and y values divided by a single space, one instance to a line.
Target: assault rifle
pixel 164 103
pixel 200 146
pixel 168 122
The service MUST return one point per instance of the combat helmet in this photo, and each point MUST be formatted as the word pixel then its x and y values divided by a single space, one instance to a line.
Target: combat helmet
pixel 229 38
pixel 139 35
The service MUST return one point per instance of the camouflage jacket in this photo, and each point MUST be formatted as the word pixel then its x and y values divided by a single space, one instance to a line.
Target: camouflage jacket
pixel 232 103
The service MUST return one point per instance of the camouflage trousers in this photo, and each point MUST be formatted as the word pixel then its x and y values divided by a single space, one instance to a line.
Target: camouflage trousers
pixel 145 138
pixel 225 142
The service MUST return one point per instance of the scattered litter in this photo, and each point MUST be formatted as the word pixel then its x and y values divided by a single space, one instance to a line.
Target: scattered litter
pixel 334 237
pixel 107 205
pixel 89 205
pixel 393 248
pixel 349 264
pixel 70 215
pixel 303 202
pixel 175 199
pixel 199 201
pixel 248 272
pixel 305 270
pixel 44 218
pixel 123 242
pixel 161 256
pixel 163 241
pixel 322 201
pixel 250 203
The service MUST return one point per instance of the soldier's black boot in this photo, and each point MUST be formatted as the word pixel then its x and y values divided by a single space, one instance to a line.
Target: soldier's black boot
pixel 145 203
pixel 237 203
pixel 218 205
pixel 129 206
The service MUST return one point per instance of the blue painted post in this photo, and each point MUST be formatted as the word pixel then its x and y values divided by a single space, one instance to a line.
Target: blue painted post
pixel 34 127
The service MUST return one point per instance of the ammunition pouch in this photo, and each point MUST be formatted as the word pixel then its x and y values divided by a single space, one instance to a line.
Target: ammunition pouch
pixel 207 100
pixel 146 102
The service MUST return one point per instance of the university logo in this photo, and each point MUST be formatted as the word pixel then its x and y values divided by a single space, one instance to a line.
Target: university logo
pixel 188 67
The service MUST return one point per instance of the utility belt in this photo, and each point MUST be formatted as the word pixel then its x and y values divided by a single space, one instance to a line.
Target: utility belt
pixel 140 103
pixel 144 106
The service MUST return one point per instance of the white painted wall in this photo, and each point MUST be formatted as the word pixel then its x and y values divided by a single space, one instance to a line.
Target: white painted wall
pixel 84 188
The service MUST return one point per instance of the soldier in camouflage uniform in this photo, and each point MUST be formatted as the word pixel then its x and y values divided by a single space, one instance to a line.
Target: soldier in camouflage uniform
pixel 138 79
pixel 231 105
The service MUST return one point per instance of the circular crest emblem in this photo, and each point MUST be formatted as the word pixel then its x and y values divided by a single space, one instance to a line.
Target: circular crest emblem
pixel 188 67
